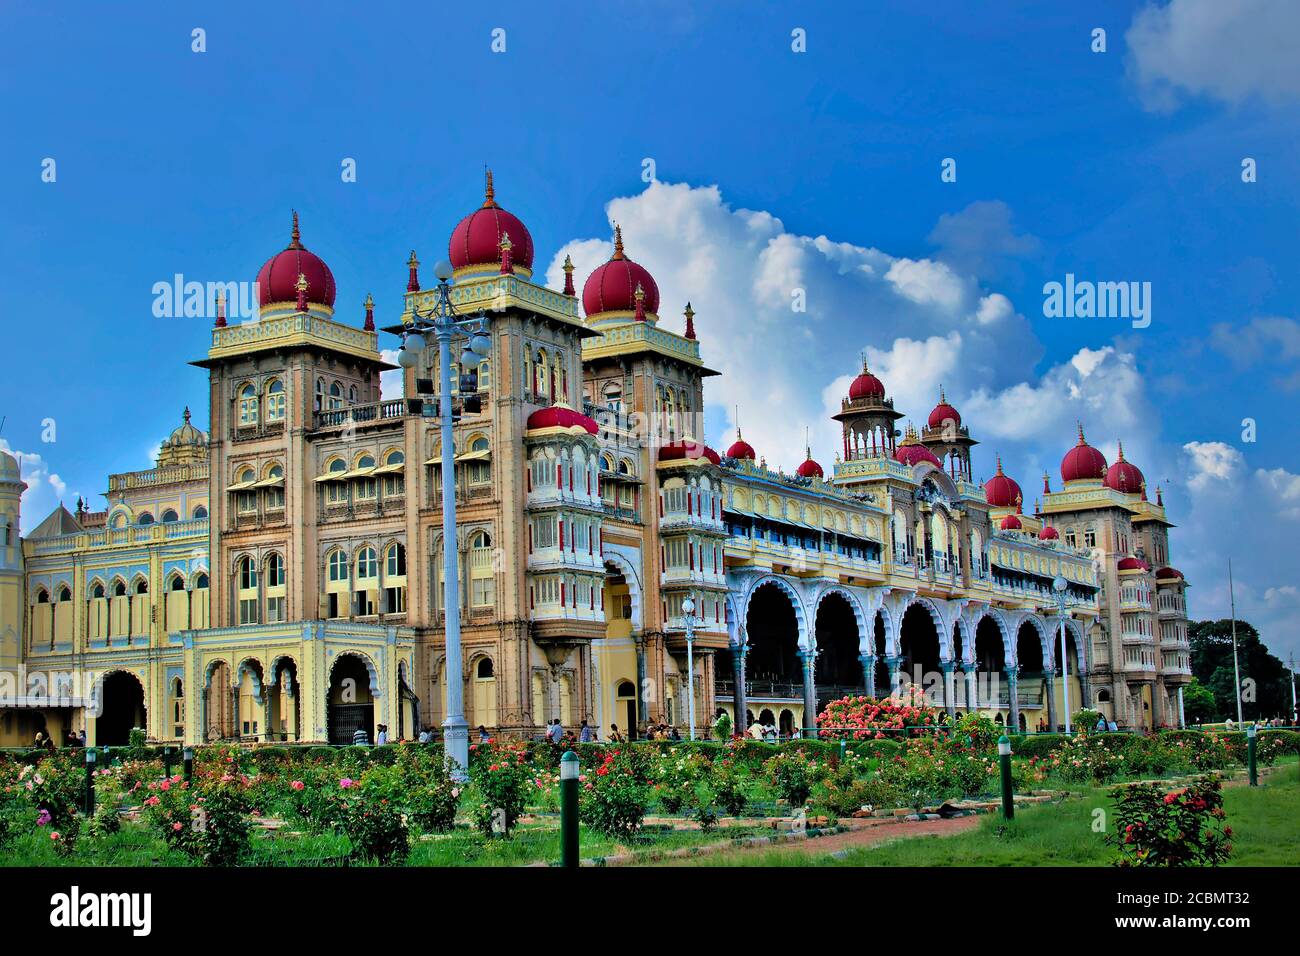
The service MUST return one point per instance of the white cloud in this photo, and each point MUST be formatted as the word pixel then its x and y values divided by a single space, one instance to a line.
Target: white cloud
pixel 390 382
pixel 1212 464
pixel 1284 596
pixel 980 240
pixel 1285 489
pixel 1230 51
pixel 45 489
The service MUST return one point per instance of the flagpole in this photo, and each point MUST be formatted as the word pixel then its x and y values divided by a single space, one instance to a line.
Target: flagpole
pixel 1236 668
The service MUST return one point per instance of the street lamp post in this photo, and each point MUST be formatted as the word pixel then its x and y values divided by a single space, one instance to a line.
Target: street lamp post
pixel 1059 585
pixel 688 622
pixel 443 323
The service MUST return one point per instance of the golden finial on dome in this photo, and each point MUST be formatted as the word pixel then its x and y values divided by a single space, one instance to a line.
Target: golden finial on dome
pixel 413 262
pixel 1082 441
pixel 295 237
pixel 1121 451
pixel 737 423
pixel 489 192
pixel 943 399
pixel 186 415
pixel 568 264
pixel 370 301
pixel 999 465
pixel 618 242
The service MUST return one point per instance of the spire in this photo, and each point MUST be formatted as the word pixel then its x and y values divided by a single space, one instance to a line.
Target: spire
pixel 943 399
pixel 186 415
pixel 999 465
pixel 690 321
pixel 370 313
pixel 640 303
pixel 301 286
pixel 1144 490
pixel 1121 451
pixel 489 193
pixel 506 267
pixel 1160 497
pixel 1018 511
pixel 221 309
pixel 413 283
pixel 1081 438
pixel 1047 489
pixel 568 276
pixel 737 423
pixel 618 243
pixel 807 448
pixel 295 238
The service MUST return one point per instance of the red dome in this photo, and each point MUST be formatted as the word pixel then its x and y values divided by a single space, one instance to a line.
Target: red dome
pixel 679 450
pixel 277 280
pixel 943 412
pixel 1124 475
pixel 866 385
pixel 915 454
pixel 741 449
pixel 561 416
pixel 1011 523
pixel 1048 533
pixel 612 287
pixel 1167 574
pixel 1133 564
pixel 1083 462
pixel 1001 491
pixel 809 469
pixel 476 240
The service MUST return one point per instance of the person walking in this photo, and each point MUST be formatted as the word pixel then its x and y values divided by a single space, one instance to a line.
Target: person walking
pixel 382 737
pixel 584 733
pixel 361 738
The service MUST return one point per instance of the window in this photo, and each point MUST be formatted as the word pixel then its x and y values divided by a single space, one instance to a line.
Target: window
pixel 367 563
pixel 200 512
pixel 247 574
pixel 274 589
pixel 275 571
pixel 394 481
pixel 247 406
pixel 367 572
pixel 336 395
pixel 169 516
pixel 482 588
pixel 145 518
pixel 365 486
pixel 485 375
pixel 320 394
pixel 275 401
pixel 248 595
pixel 275 493
pixel 338 566
pixel 65 594
pixel 336 491
pixel 201 582
pixel 177 583
pixel 396 561
pixel 479 471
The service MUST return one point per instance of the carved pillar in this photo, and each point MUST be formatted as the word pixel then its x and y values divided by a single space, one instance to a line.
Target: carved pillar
pixel 640 686
pixel 895 665
pixel 1013 696
pixel 740 701
pixel 868 674
pixel 949 687
pixel 1049 690
pixel 972 690
pixel 809 694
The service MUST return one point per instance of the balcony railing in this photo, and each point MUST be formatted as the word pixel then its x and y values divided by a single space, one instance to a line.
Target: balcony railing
pixel 363 414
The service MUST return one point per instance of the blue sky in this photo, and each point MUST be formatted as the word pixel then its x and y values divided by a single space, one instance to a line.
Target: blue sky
pixel 1123 165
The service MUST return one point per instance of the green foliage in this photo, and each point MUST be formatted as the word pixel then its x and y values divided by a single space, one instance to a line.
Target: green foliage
pixel 1199 705
pixel 501 780
pixel 613 797
pixel 55 789
pixel 791 775
pixel 978 732
pixel 1212 666
pixel 1175 828
pixel 722 727
pixel 207 821
pixel 675 774
pixel 1085 721
pixel 727 788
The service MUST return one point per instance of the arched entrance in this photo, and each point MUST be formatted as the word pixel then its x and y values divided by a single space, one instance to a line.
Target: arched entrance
pixel 626 694
pixel 349 704
pixel 990 666
pixel 286 713
pixel 838 669
pixel 1031 685
pixel 121 709
pixel 218 717
pixel 880 647
pixel 772 663
pixel 919 645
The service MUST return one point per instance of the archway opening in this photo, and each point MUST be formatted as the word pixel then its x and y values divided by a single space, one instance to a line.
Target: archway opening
pixel 350 706
pixel 121 709
pixel 772 663
pixel 919 644
pixel 626 694
pixel 838 669
pixel 881 647
pixel 286 703
pixel 1031 687
pixel 990 664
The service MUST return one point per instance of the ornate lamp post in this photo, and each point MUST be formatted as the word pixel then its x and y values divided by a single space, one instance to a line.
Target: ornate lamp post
pixel 443 323
pixel 688 622
pixel 1059 585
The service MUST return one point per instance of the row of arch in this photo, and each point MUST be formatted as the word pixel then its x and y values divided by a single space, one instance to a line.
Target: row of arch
pixel 144 518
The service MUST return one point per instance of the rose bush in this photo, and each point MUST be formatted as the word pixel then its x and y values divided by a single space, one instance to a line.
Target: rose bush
pixel 1184 827
pixel 613 797
pixel 863 718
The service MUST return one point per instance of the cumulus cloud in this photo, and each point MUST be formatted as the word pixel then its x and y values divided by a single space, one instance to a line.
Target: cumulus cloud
pixel 45 489
pixel 980 240
pixel 1227 51
pixel 1284 489
pixel 1211 464
pixel 744 273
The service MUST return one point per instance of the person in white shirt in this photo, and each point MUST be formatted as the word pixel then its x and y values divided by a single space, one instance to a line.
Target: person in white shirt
pixel 382 737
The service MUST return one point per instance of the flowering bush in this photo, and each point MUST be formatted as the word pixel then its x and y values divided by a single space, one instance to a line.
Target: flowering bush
pixel 928 771
pixel 726 787
pixel 1096 758
pixel 374 824
pixel 1176 828
pixel 675 775
pixel 792 776
pixel 612 797
pixel 863 718
pixel 502 776
pixel 55 789
pixel 207 820
pixel 977 732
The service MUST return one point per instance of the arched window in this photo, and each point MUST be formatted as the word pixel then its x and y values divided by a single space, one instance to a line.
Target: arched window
pixel 320 394
pixel 142 586
pixel 541 374
pixel 65 594
pixel 170 516
pixel 247 573
pixel 482 583
pixel 336 395
pixel 145 518
pixel 367 563
pixel 352 394
pixel 275 401
pixel 245 499
pixel 246 582
pixel 247 406
pixel 97 591
pixel 119 589
pixel 177 583
pixel 478 469
pixel 274 588
pixel 200 511
pixel 338 566
pixel 274 484
pixel 275 571
pixel 485 669
pixel 201 582
pixel 395 560
pixel 484 375
pixel 394 477
pixel 42 596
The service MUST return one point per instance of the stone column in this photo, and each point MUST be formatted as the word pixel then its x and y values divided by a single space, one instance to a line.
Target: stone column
pixel 868 673
pixel 740 702
pixel 895 665
pixel 809 693
pixel 1049 690
pixel 1182 716
pixel 949 687
pixel 972 690
pixel 234 711
pixel 640 686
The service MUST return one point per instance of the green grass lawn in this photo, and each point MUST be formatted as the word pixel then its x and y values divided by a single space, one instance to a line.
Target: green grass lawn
pixel 1265 821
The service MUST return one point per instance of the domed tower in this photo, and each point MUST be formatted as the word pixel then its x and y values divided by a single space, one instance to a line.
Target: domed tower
pixel 1083 464
pixel 12 487
pixel 1124 476
pixel 868 419
pixel 490 240
pixel 185 446
pixel 948 439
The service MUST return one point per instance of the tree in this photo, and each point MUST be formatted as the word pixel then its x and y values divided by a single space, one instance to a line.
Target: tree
pixel 1198 704
pixel 1265 692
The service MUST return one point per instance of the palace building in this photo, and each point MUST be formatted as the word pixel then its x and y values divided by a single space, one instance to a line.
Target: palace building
pixel 279 577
